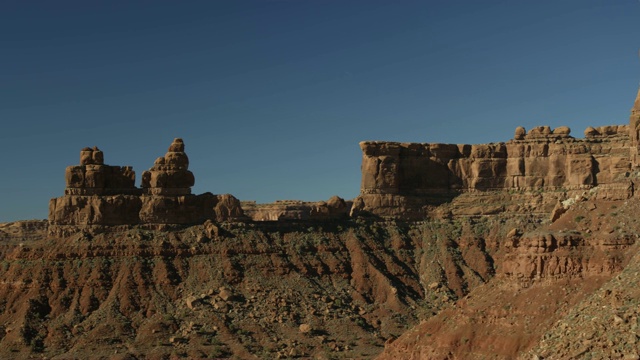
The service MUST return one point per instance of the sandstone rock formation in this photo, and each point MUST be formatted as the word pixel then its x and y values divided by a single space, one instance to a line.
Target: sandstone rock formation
pixel 93 177
pixel 401 179
pixel 96 193
pixel 101 195
pixel 170 174
pixel 547 255
pixel 332 209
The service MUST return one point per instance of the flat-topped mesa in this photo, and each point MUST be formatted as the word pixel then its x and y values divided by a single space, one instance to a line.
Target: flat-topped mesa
pixel 403 179
pixel 170 174
pixel 93 177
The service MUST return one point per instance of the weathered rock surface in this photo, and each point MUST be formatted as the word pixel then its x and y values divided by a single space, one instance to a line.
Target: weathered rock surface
pixel 170 174
pixel 539 277
pixel 95 210
pixel 401 179
pixel 157 294
pixel 103 195
pixel 93 177
pixel 282 210
pixel 548 256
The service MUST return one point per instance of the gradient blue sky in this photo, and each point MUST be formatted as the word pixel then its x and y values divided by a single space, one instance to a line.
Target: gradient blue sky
pixel 272 97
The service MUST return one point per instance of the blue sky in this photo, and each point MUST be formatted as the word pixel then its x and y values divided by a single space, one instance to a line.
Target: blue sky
pixel 272 97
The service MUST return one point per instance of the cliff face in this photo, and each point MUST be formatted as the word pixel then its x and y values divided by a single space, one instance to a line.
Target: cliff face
pixel 401 179
pixel 540 276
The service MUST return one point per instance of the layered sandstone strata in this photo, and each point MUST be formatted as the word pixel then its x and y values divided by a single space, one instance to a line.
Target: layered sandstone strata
pixel 170 174
pixel 332 209
pixel 399 179
pixel 548 255
pixel 93 177
pixel 101 195
pixel 96 194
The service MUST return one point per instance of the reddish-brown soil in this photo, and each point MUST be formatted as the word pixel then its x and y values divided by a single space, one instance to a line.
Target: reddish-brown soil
pixel 537 284
pixel 245 293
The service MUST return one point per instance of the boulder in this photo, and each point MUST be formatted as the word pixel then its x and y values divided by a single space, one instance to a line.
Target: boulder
pixel 563 131
pixel 520 133
pixel 591 132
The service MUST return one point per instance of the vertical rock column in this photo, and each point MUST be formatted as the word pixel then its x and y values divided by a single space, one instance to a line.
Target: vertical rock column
pixel 170 174
pixel 166 187
pixel 96 194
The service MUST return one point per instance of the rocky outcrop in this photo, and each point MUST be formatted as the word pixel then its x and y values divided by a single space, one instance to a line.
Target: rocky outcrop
pixel 401 179
pixel 541 256
pixel 96 194
pixel 93 177
pixel 282 210
pixel 170 174
pixel 95 210
pixel 542 132
pixel 101 195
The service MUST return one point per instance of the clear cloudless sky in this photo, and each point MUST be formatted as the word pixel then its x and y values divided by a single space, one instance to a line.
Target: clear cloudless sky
pixel 272 97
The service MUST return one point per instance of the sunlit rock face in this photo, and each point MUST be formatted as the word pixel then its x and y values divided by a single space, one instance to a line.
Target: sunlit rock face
pixel 402 179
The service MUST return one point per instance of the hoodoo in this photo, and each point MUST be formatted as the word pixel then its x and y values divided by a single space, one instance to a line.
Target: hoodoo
pixel 99 195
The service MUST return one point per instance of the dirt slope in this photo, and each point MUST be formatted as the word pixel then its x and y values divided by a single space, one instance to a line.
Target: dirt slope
pixel 467 284
pixel 542 278
pixel 251 291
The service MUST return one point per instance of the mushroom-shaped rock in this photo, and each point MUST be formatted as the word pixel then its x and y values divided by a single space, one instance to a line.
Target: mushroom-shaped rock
pixel 520 133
